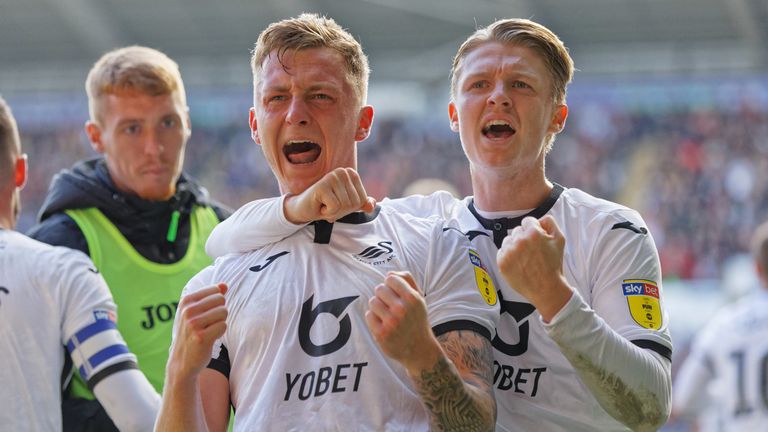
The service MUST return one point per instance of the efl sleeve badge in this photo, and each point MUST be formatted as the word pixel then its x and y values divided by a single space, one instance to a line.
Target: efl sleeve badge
pixel 483 280
pixel 643 300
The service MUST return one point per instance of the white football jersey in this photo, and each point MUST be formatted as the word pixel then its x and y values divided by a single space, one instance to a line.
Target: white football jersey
pixel 610 259
pixel 727 367
pixel 50 298
pixel 297 350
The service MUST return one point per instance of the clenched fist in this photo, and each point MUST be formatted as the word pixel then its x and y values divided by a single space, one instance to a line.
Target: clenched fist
pixel 397 319
pixel 202 320
pixel 531 261
pixel 335 195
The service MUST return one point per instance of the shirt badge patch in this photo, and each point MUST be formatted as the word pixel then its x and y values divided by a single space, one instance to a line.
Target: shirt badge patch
pixel 381 253
pixel 483 280
pixel 643 300
pixel 104 314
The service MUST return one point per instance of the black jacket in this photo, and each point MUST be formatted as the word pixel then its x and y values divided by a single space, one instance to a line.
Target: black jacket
pixel 143 223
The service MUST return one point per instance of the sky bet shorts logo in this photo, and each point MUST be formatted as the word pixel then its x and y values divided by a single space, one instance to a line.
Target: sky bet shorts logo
pixel 643 300
pixel 484 282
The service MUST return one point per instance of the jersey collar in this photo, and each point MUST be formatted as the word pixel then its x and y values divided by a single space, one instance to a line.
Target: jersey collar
pixel 501 226
pixel 323 229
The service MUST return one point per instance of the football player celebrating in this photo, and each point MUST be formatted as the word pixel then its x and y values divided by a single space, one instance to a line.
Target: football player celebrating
pixel 583 342
pixel 379 321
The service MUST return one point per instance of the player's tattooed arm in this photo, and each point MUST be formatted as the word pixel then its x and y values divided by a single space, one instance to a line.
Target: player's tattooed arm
pixel 458 391
pixel 451 372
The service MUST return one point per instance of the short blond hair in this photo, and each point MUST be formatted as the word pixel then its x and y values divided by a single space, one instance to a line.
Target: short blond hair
pixel 10 143
pixel 313 31
pixel 518 31
pixel 133 68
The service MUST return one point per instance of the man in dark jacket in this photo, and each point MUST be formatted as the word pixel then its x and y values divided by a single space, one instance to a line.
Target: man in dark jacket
pixel 143 222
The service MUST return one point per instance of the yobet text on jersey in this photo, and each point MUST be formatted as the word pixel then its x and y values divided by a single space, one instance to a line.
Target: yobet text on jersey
pixel 317 383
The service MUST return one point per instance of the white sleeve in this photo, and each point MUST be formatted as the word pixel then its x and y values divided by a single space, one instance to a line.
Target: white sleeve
pixel 97 349
pixel 254 225
pixel 632 384
pixel 89 324
pixel 129 399
pixel 626 284
pixel 459 292
pixel 620 346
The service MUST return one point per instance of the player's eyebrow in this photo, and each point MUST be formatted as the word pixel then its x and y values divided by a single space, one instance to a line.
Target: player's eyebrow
pixel 130 120
pixel 322 86
pixel 275 88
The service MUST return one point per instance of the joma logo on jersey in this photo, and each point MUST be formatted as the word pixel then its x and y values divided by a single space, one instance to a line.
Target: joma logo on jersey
pixel 270 260
pixel 376 255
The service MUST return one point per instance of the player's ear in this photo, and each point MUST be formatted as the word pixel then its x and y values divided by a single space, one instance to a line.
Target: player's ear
pixel 453 115
pixel 20 171
pixel 364 122
pixel 94 136
pixel 254 126
pixel 558 119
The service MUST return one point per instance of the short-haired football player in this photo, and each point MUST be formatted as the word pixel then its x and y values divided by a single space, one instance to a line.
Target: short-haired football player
pixel 379 321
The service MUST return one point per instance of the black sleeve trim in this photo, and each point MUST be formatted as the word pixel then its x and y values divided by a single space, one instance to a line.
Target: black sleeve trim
pixel 221 363
pixel 443 328
pixel 655 347
pixel 107 371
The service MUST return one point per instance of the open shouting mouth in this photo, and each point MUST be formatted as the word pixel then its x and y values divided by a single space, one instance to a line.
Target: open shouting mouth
pixel 498 129
pixel 301 152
